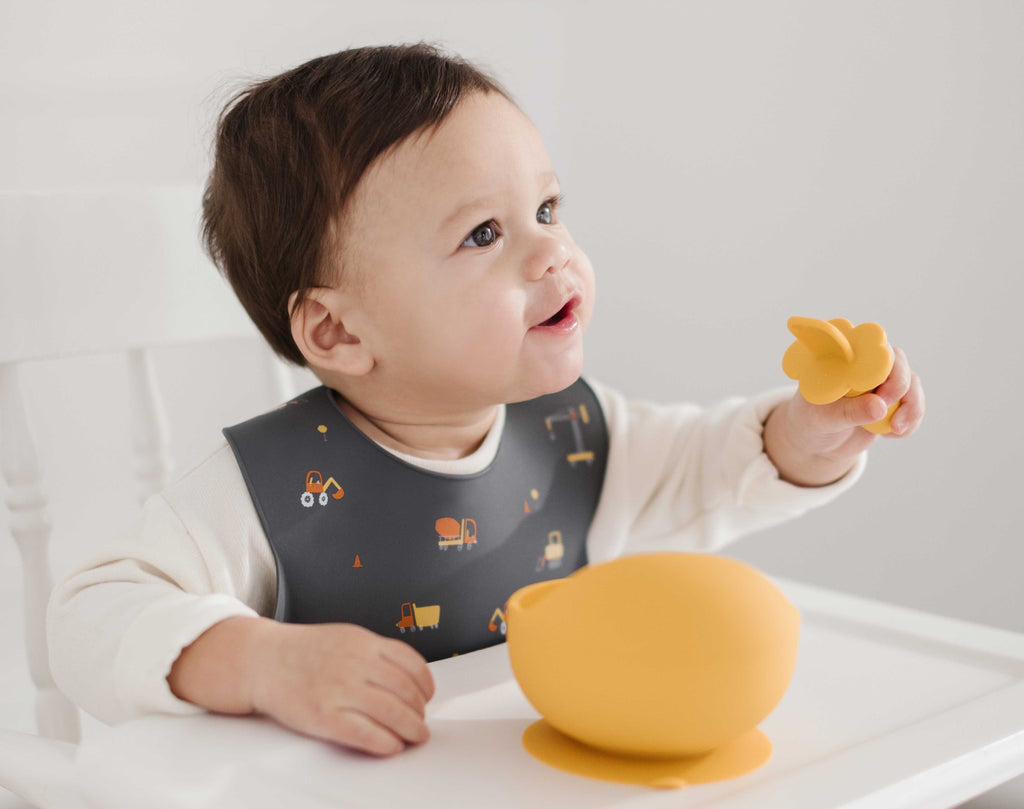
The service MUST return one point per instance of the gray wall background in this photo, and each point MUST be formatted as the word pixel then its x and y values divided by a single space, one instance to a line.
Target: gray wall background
pixel 726 165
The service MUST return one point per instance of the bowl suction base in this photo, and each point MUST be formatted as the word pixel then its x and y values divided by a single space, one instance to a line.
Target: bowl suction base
pixel 738 757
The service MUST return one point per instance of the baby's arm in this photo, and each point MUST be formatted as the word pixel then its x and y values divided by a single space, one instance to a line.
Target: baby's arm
pixel 339 682
pixel 684 477
pixel 116 624
pixel 167 619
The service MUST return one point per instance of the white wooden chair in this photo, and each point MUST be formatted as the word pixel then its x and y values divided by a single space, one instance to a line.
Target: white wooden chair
pixel 93 272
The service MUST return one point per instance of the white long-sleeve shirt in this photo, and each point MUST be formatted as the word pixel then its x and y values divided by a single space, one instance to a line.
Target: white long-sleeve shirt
pixel 678 477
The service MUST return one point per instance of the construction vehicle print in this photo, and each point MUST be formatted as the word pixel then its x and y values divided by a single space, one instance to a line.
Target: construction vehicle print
pixel 574 417
pixel 553 552
pixel 452 532
pixel 414 617
pixel 500 615
pixel 316 489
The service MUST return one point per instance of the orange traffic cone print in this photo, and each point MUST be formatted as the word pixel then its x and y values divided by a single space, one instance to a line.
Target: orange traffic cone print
pixel 357 563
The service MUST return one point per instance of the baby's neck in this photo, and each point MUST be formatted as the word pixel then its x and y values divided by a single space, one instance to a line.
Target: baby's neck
pixel 449 439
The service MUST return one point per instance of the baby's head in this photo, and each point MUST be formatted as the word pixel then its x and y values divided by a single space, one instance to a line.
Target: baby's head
pixel 388 217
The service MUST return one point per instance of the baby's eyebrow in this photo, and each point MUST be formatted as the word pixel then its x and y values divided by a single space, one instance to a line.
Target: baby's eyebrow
pixel 543 178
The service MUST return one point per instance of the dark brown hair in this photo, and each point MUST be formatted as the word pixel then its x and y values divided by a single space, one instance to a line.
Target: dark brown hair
pixel 290 150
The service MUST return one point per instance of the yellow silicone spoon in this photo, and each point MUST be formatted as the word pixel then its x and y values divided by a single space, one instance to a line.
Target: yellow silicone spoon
pixel 831 359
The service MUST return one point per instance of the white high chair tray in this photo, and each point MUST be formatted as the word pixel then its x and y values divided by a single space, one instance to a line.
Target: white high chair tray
pixel 888 708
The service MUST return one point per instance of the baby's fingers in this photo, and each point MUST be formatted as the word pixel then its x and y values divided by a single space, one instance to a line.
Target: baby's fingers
pixel 392 677
pixel 358 731
pixel 907 419
pixel 404 656
pixel 845 413
pixel 392 713
pixel 897 384
pixel 369 719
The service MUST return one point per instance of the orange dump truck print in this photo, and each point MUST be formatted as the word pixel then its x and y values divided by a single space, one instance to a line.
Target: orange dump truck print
pixel 452 532
pixel 414 617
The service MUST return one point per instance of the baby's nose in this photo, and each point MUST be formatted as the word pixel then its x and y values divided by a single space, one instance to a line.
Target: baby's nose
pixel 550 255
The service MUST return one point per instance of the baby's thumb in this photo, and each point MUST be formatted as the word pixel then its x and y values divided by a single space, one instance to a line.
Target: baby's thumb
pixel 864 409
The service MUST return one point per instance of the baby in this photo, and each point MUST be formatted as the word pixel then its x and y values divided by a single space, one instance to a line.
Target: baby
pixel 390 219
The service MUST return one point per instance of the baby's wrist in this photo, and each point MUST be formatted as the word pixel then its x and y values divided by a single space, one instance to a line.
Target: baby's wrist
pixel 221 669
pixel 796 461
pixel 261 653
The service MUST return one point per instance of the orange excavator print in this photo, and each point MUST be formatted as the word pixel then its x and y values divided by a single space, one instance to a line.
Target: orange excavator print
pixel 499 614
pixel 315 486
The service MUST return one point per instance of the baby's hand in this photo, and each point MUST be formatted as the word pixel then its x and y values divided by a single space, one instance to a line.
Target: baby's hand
pixel 812 444
pixel 344 683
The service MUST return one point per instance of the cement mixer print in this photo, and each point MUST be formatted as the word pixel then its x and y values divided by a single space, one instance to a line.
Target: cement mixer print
pixel 452 532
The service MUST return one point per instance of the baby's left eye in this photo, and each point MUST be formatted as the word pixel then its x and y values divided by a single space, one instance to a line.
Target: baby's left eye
pixel 550 206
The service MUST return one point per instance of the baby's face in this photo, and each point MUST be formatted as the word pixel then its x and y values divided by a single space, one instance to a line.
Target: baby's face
pixel 474 291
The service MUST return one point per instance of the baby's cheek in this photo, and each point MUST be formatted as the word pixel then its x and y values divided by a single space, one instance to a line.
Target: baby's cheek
pixel 586 310
pixel 587 276
pixel 499 327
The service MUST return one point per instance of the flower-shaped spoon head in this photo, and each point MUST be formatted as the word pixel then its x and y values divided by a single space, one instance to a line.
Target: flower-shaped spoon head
pixel 831 359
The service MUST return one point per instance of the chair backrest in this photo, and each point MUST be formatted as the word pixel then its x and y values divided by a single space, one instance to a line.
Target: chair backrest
pixel 88 272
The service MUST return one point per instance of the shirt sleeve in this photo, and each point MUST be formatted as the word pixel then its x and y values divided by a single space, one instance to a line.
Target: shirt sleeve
pixel 116 624
pixel 683 477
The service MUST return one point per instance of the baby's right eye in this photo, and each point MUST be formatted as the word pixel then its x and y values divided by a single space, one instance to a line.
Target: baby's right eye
pixel 486 235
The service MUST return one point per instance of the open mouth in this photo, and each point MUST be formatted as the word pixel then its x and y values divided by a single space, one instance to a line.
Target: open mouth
pixel 562 313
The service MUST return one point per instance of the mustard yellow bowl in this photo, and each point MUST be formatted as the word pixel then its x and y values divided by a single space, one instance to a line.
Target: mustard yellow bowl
pixel 657 655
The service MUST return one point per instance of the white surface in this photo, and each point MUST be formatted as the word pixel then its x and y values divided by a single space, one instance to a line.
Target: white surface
pixel 887 708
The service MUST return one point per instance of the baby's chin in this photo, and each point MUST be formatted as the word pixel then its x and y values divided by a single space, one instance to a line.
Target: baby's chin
pixel 553 381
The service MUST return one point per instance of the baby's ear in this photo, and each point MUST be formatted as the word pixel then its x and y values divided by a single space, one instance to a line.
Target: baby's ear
pixel 318 328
